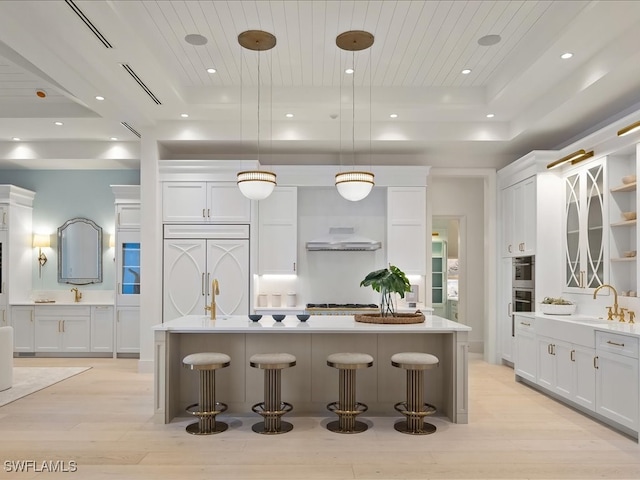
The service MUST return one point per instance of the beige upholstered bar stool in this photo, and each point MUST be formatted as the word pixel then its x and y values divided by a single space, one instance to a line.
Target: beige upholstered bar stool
pixel 346 407
pixel 414 408
pixel 272 408
pixel 207 408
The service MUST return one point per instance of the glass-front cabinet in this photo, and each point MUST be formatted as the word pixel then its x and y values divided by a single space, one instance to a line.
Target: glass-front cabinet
pixel 439 276
pixel 128 268
pixel 585 246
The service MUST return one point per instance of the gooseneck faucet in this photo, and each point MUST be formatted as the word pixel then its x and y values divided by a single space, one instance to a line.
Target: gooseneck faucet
pixel 215 290
pixel 615 312
pixel 77 294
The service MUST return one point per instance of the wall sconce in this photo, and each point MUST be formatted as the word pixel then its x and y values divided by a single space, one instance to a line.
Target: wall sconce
pixel 634 127
pixel 41 241
pixel 112 241
pixel 575 157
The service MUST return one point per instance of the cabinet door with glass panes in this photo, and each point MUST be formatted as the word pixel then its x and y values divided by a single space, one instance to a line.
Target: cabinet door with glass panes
pixel 585 242
pixel 128 268
pixel 439 276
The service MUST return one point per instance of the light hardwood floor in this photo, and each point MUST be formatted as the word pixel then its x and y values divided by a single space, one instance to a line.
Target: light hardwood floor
pixel 101 419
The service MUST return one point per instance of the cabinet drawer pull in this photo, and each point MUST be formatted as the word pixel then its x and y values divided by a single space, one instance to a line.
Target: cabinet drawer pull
pixel 62 326
pixel 203 213
pixel 208 213
pixel 549 348
pixel 614 343
pixel 202 285
pixel 573 355
pixel 595 362
pixel 294 266
pixel 509 249
pixel 119 219
pixel 525 324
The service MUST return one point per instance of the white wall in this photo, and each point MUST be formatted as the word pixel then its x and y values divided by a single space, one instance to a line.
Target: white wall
pixel 464 197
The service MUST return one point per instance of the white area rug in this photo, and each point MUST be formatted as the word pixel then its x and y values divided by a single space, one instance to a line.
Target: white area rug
pixel 27 380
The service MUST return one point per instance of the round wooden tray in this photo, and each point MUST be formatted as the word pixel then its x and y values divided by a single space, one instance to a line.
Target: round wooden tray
pixel 417 317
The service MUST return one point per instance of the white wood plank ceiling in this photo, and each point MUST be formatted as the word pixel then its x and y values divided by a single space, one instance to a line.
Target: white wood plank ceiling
pixel 414 69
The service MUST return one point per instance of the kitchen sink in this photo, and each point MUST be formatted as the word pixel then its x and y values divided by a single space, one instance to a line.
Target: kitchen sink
pixel 585 319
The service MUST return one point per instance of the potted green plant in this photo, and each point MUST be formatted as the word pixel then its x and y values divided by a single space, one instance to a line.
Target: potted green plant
pixel 389 281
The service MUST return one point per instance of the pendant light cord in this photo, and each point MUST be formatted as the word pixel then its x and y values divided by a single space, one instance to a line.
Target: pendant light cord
pixel 353 109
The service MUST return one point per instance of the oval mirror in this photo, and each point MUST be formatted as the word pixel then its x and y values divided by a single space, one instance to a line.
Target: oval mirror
pixel 79 252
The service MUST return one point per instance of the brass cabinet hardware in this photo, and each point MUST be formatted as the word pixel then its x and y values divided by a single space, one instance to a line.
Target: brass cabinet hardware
pixel 294 266
pixel 509 249
pixel 62 326
pixel 202 285
pixel 118 218
pixel 525 324
pixel 208 213
pixel 595 363
pixel 573 355
pixel 58 326
pixel 549 348
pixel 509 309
pixel 203 213
pixel 614 343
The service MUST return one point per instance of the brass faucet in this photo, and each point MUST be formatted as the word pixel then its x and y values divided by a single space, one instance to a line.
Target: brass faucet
pixel 215 290
pixel 77 294
pixel 613 311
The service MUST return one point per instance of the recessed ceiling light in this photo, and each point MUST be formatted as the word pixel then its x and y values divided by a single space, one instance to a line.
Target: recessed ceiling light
pixel 394 115
pixel 349 71
pixel 99 97
pixel 15 139
pixel 195 39
pixel 184 115
pixel 566 55
pixel 211 70
pixel 489 40
pixel 490 115
pixel 289 115
pixel 466 71
pixel 58 123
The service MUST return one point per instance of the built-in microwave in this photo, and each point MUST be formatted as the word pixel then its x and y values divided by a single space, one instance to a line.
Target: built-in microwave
pixel 523 287
pixel 523 272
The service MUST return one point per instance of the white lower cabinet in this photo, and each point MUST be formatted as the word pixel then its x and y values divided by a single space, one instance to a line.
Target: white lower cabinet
pixel 617 378
pixel 600 373
pixel 102 328
pixel 128 330
pixel 22 320
pixel 525 364
pixel 567 370
pixel 62 329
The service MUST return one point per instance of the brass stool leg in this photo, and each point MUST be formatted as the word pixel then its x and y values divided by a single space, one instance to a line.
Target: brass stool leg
pixel 273 407
pixel 208 408
pixel 414 408
pixel 347 408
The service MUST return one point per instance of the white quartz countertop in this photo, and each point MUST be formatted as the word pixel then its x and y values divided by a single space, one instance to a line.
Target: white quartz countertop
pixel 315 324
pixel 598 323
pixel 65 304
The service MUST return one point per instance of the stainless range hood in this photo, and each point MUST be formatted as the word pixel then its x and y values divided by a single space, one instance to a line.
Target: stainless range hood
pixel 343 239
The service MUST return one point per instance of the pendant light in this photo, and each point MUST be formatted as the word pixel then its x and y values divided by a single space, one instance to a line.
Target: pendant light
pixel 256 184
pixel 354 185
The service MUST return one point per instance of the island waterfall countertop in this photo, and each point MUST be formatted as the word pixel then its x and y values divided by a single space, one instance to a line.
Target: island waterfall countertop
pixel 311 384
pixel 315 324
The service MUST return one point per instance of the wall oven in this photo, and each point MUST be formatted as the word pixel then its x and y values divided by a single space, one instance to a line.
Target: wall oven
pixel 523 287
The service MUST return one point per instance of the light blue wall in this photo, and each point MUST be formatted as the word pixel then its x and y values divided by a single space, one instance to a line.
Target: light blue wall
pixel 65 194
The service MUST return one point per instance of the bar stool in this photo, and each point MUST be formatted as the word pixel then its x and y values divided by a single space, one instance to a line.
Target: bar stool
pixel 414 408
pixel 346 407
pixel 206 363
pixel 273 407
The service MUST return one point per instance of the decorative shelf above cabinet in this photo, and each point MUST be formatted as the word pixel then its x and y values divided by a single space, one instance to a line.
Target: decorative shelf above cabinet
pixel 625 223
pixel 624 259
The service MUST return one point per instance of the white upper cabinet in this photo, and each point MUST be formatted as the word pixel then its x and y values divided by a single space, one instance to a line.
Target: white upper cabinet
pixel 407 229
pixel 209 202
pixel 585 242
pixel 278 232
pixel 519 218
pixel 128 216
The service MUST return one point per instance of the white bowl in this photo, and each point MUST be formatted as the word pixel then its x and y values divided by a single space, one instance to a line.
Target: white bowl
pixel 629 215
pixel 551 309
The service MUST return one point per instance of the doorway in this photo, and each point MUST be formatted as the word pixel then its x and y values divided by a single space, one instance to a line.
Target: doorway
pixel 448 267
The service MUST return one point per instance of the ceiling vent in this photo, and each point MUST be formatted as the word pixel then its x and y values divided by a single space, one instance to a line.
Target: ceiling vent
pixel 135 76
pixel 88 23
pixel 131 129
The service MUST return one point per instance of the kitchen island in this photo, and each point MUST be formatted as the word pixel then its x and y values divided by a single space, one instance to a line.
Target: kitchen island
pixel 311 384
